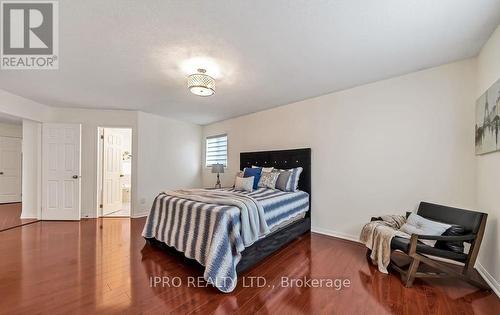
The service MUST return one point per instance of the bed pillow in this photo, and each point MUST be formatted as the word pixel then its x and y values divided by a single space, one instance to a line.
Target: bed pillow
pixel 244 183
pixel 255 173
pixel 238 174
pixel 293 181
pixel 416 224
pixel 264 169
pixel 283 177
pixel 268 180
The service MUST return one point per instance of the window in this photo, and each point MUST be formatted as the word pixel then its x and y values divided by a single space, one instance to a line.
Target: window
pixel 216 150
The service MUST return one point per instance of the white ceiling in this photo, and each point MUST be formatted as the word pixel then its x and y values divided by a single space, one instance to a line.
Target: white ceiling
pixel 119 54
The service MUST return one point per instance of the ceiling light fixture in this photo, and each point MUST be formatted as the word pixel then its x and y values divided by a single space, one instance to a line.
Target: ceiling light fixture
pixel 201 84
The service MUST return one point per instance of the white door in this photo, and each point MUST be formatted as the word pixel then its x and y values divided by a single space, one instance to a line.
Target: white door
pixel 112 165
pixel 61 172
pixel 10 169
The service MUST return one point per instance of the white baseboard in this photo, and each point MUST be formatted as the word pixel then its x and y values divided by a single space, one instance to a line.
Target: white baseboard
pixel 29 217
pixel 492 282
pixel 140 214
pixel 134 216
pixel 328 232
pixel 92 214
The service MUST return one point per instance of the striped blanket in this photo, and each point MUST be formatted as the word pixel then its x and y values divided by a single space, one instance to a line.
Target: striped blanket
pixel 253 224
pixel 279 206
pixel 211 232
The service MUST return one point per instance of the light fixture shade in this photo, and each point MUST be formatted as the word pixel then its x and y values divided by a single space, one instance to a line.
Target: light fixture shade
pixel 217 168
pixel 201 84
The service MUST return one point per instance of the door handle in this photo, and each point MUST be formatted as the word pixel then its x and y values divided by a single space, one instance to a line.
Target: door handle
pixel 75 176
pixel 1 173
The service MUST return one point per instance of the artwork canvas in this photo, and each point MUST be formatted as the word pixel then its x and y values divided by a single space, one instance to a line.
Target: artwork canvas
pixel 488 120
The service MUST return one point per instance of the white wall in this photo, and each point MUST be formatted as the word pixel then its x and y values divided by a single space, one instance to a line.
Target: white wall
pixel 11 130
pixel 175 149
pixel 21 107
pixel 168 155
pixel 488 166
pixel 32 175
pixel 91 120
pixel 377 149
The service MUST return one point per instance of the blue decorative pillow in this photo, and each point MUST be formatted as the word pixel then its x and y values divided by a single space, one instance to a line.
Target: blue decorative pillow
pixel 255 172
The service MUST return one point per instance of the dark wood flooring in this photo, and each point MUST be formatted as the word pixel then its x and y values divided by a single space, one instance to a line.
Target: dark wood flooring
pixel 10 216
pixel 103 266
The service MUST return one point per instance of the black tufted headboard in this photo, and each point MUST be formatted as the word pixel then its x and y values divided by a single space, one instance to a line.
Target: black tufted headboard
pixel 282 159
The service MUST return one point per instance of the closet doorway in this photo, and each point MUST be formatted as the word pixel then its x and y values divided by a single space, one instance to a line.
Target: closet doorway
pixel 12 209
pixel 114 171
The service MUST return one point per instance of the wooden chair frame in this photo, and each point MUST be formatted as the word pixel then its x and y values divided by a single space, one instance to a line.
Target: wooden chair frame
pixel 409 275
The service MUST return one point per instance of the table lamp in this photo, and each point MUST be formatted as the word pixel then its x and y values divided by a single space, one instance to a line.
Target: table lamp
pixel 218 168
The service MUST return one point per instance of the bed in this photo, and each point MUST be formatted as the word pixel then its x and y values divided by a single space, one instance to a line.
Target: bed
pixel 215 235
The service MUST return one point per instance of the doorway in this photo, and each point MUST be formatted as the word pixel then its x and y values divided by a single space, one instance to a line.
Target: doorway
pixel 11 173
pixel 114 171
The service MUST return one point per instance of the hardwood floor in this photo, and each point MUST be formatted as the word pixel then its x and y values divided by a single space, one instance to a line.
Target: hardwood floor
pixel 10 216
pixel 104 266
pixel 123 212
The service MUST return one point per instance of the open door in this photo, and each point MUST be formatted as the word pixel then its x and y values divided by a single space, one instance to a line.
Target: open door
pixel 10 169
pixel 61 186
pixel 112 149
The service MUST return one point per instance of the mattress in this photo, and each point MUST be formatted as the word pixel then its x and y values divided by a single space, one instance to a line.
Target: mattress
pixel 288 222
pixel 212 233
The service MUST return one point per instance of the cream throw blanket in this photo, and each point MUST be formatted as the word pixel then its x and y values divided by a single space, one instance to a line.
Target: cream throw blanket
pixel 377 236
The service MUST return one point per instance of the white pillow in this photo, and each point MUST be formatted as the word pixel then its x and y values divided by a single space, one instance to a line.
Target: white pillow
pixel 416 224
pixel 264 169
pixel 293 180
pixel 243 183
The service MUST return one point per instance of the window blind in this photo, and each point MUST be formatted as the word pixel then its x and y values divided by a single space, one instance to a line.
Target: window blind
pixel 216 150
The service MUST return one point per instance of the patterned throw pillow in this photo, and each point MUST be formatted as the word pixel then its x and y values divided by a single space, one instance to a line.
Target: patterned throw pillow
pixel 239 174
pixel 244 183
pixel 264 169
pixel 255 173
pixel 268 179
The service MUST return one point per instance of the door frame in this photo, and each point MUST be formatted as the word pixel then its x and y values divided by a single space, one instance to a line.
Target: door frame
pixel 20 169
pixel 99 167
pixel 31 169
